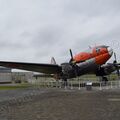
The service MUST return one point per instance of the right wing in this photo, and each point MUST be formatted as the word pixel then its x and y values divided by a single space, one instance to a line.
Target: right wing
pixel 36 67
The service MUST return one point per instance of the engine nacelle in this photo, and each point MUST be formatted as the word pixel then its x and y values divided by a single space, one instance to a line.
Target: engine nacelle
pixel 68 70
pixel 105 70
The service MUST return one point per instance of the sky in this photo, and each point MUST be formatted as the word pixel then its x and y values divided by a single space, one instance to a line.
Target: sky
pixel 36 30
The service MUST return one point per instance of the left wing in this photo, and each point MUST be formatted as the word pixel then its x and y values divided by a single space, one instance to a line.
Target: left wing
pixel 36 67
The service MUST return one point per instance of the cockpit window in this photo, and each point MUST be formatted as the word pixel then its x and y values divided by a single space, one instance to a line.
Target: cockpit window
pixel 97 50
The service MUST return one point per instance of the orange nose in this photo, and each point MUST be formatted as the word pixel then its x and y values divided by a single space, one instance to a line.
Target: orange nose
pixel 101 59
pixel 110 51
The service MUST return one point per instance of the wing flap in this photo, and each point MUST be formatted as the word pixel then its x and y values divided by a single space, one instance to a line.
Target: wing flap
pixel 36 67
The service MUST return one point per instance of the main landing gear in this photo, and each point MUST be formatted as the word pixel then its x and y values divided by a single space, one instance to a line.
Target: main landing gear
pixel 65 82
pixel 104 80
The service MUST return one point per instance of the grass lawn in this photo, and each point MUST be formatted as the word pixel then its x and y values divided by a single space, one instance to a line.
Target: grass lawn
pixel 12 87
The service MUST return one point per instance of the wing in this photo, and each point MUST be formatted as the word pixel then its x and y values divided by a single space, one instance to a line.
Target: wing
pixel 36 67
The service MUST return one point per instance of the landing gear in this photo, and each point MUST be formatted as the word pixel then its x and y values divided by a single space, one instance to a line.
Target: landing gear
pixel 104 80
pixel 65 82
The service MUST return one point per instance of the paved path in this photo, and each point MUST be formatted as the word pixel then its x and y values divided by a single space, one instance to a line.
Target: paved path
pixel 60 104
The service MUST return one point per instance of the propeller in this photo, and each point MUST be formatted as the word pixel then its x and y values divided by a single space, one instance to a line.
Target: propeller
pixel 115 61
pixel 73 63
pixel 71 60
pixel 71 55
pixel 116 64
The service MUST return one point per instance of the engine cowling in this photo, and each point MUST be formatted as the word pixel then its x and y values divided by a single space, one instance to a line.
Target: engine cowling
pixel 105 70
pixel 68 70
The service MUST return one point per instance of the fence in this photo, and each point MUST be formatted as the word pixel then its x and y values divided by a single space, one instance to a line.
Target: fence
pixel 80 85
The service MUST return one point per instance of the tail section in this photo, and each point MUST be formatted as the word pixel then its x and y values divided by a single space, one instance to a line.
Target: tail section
pixel 53 61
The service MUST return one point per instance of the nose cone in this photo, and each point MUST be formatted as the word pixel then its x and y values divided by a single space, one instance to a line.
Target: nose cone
pixel 110 51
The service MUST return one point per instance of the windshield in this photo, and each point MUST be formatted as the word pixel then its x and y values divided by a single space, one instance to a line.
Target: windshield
pixel 89 50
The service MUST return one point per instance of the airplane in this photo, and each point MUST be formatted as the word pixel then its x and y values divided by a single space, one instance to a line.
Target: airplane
pixel 92 60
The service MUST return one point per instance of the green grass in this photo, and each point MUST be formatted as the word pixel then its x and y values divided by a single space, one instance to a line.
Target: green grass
pixel 9 87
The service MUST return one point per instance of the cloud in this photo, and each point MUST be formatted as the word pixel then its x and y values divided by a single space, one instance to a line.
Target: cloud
pixel 36 30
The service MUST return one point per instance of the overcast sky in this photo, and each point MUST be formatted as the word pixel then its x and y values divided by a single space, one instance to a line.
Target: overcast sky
pixel 36 30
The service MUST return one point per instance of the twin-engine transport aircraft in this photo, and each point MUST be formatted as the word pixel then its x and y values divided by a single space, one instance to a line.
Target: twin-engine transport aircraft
pixel 91 61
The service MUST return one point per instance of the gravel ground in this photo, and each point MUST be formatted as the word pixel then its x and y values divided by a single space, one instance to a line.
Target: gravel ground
pixel 59 104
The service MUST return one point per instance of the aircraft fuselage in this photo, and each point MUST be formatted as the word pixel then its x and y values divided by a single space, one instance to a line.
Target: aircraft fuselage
pixel 89 61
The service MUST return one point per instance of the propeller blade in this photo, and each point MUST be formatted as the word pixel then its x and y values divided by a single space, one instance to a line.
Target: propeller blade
pixel 115 61
pixel 116 64
pixel 71 54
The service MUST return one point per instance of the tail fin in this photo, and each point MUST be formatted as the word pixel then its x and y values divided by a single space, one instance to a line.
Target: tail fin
pixel 53 61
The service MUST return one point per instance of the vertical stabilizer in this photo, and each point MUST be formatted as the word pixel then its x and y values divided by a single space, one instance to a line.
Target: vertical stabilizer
pixel 53 61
